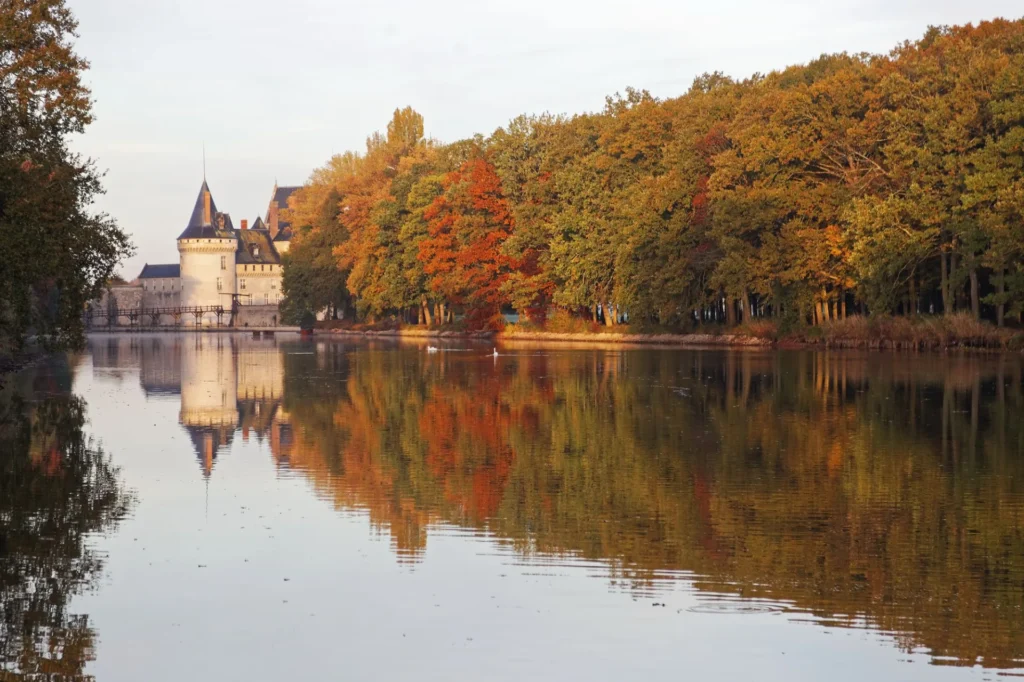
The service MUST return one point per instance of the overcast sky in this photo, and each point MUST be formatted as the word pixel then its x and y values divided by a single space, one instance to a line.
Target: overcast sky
pixel 275 88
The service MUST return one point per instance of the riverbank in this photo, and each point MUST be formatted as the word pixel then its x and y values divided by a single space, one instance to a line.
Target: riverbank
pixel 514 334
pixel 940 333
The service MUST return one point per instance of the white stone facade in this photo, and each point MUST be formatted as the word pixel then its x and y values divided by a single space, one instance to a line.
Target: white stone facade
pixel 161 292
pixel 260 282
pixel 207 274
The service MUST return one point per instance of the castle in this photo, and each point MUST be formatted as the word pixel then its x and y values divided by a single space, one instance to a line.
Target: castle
pixel 219 265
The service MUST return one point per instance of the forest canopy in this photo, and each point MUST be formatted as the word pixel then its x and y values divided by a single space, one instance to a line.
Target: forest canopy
pixel 890 184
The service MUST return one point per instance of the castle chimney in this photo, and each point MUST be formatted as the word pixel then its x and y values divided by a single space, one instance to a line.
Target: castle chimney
pixel 245 224
pixel 206 208
pixel 273 219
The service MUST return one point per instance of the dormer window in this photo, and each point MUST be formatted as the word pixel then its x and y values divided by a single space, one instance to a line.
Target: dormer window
pixel 255 252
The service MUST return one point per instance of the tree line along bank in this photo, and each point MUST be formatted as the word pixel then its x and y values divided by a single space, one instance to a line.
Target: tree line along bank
pixel 879 184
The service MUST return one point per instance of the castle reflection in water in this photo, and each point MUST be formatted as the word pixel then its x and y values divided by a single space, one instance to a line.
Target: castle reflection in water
pixel 227 384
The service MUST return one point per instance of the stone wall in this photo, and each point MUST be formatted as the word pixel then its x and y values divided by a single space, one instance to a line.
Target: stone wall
pixel 161 292
pixel 132 297
pixel 257 316
pixel 121 297
pixel 261 283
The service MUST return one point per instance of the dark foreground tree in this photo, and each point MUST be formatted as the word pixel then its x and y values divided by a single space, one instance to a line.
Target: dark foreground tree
pixel 58 254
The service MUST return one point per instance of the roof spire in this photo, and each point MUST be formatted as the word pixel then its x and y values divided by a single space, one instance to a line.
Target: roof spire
pixel 205 215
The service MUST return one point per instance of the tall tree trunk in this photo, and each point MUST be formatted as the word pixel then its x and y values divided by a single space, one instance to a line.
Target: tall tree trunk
pixel 975 301
pixel 913 295
pixel 425 311
pixel 947 300
pixel 1000 290
pixel 956 294
pixel 609 315
pixel 730 312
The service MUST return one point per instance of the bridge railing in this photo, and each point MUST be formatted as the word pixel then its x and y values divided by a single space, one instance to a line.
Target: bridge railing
pixel 112 316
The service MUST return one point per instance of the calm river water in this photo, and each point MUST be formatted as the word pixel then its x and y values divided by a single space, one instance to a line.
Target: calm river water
pixel 218 507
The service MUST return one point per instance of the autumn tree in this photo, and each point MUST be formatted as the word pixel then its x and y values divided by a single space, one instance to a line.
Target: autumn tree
pixel 462 254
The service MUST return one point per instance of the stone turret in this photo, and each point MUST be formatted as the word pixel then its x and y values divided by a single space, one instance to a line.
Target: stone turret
pixel 207 255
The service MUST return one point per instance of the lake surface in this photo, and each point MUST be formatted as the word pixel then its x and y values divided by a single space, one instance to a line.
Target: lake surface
pixel 218 507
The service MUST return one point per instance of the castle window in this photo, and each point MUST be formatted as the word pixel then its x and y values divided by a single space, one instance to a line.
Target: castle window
pixel 261 267
pixel 273 284
pixel 223 262
pixel 241 284
pixel 220 284
pixel 266 298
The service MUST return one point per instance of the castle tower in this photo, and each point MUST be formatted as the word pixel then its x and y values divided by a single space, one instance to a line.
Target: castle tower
pixel 207 254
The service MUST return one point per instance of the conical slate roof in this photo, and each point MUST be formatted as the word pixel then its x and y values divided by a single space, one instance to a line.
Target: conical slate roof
pixel 217 227
pixel 259 224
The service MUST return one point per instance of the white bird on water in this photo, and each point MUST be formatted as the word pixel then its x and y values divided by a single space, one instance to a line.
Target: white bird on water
pixel 431 349
pixel 495 352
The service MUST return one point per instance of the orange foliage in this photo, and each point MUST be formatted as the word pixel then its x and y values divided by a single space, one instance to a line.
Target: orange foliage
pixel 462 255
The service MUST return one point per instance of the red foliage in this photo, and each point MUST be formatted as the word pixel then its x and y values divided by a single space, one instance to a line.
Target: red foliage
pixel 700 201
pixel 467 226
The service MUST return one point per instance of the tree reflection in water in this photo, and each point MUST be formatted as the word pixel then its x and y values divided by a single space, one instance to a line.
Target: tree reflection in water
pixel 56 488
pixel 867 490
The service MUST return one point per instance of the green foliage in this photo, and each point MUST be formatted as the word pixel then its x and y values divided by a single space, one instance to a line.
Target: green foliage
pixel 312 279
pixel 57 254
